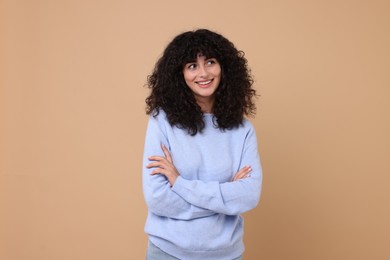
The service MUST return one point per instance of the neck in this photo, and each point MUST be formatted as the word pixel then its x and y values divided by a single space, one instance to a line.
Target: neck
pixel 206 106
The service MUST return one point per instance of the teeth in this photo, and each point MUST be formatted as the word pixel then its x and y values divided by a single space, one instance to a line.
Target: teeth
pixel 204 82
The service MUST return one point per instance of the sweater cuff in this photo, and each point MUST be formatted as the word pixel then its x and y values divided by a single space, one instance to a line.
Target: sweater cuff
pixel 180 185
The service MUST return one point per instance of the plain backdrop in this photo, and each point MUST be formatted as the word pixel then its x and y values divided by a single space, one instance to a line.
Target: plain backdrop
pixel 72 76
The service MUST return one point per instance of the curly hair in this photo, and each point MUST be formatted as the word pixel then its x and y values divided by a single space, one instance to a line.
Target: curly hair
pixel 169 92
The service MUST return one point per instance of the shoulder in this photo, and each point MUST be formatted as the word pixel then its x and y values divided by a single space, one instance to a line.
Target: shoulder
pixel 247 125
pixel 242 131
pixel 248 130
pixel 158 116
pixel 158 120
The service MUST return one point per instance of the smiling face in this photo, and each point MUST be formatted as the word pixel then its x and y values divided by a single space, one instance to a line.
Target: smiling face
pixel 203 76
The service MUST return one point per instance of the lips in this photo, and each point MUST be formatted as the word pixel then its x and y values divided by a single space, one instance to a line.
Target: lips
pixel 204 84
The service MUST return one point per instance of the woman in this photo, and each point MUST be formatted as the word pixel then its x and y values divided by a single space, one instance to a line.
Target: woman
pixel 201 164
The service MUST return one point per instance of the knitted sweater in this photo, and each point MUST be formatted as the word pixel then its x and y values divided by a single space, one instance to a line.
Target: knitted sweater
pixel 199 217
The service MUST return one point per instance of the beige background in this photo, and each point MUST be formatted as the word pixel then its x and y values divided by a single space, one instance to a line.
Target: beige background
pixel 72 124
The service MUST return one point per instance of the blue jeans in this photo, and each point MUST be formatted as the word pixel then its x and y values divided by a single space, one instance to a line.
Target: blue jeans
pixel 155 253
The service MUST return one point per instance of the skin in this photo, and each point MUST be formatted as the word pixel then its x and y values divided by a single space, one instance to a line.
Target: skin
pixel 164 165
pixel 202 77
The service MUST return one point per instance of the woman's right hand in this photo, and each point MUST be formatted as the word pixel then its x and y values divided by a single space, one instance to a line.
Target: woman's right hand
pixel 243 173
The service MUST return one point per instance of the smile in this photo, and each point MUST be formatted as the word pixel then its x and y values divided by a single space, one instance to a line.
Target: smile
pixel 204 83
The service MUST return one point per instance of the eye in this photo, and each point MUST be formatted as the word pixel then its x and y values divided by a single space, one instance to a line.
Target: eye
pixel 191 66
pixel 211 61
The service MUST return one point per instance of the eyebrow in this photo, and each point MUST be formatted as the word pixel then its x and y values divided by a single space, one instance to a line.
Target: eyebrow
pixel 190 61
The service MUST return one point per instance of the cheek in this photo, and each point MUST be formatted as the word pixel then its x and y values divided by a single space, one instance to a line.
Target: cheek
pixel 188 78
pixel 218 74
pixel 217 71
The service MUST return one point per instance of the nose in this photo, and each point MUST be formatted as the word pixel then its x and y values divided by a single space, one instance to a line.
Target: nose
pixel 203 71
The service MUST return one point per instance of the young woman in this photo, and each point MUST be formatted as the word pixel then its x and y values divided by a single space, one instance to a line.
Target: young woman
pixel 201 166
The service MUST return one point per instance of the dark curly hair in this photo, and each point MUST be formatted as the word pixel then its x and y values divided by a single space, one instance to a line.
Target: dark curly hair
pixel 169 92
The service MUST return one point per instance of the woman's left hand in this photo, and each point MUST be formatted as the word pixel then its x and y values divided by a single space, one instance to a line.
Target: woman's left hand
pixel 164 165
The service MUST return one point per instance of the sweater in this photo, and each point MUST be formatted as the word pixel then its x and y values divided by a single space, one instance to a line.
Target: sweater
pixel 199 216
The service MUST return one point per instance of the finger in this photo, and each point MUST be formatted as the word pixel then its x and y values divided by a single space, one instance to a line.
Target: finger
pixel 243 173
pixel 163 163
pixel 241 177
pixel 158 171
pixel 154 164
pixel 166 152
pixel 156 158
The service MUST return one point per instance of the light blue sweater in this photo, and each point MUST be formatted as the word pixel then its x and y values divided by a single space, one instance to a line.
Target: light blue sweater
pixel 199 217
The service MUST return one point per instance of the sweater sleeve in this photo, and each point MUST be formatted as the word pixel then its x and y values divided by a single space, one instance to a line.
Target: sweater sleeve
pixel 230 198
pixel 160 198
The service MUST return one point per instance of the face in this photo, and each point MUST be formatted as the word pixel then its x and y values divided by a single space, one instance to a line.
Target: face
pixel 203 77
